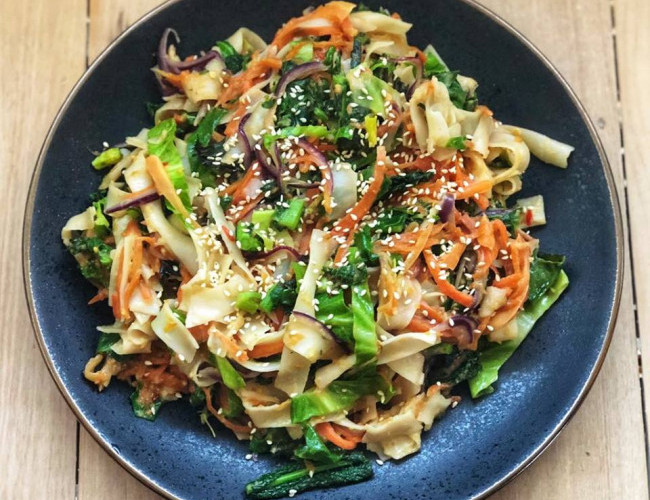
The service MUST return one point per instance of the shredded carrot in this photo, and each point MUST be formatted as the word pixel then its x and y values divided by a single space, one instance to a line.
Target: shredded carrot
pixel 337 25
pixel 99 296
pixel 419 324
pixel 165 187
pixel 432 312
pixel 479 187
pixel 443 285
pixel 266 350
pixel 350 221
pixel 233 124
pixel 326 431
pixel 241 429
pixel 420 245
pixel 239 84
pixel 200 333
pixel 232 348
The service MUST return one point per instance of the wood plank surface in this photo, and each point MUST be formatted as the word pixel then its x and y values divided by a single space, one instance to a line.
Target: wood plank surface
pixel 601 453
pixel 42 53
pixel 631 18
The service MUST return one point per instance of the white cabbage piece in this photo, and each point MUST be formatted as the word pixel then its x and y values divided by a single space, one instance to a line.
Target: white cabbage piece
pixel 176 242
pixel 344 194
pixel 216 212
pixel 206 304
pixel 204 85
pixel 410 296
pixel 494 299
pixel 244 40
pixel 373 22
pixel 434 115
pixel 253 331
pixel 148 307
pixel 507 332
pixel 398 435
pixel 321 246
pixel 405 344
pixel 293 372
pixel 327 374
pixel 410 367
pixel 504 140
pixel 176 103
pixel 548 150
pixel 174 334
pixel 85 221
pixel 534 204
pixel 306 337
pixel 115 172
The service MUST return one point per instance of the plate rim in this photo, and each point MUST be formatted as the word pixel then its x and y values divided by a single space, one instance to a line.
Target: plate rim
pixel 532 456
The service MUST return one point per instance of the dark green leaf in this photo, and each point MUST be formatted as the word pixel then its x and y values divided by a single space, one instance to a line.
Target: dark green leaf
pixel 544 270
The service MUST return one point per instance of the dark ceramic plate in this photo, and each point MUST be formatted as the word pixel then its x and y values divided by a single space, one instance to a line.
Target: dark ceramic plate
pixel 475 448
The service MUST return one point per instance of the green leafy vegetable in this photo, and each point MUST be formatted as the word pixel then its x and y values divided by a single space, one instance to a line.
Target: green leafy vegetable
pixel 397 184
pixel 544 271
pixel 197 398
pixel 160 142
pixel 494 356
pixel 337 396
pixel 290 217
pixel 395 219
pixel 349 274
pixel 363 242
pixel 106 341
pixel 357 49
pixel 94 258
pixel 314 449
pixel 275 441
pixel 281 294
pixel 231 377
pixel 247 240
pixel 297 478
pixel 102 226
pixel 201 140
pixel 363 330
pixel 511 217
pixel 457 143
pixel 333 311
pixel 233 407
pixel 248 301
pixel 433 65
pixel 142 408
pixel 454 367
pixel 235 62
pixel 107 158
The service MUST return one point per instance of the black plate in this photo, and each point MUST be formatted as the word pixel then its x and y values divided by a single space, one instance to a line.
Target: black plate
pixel 475 448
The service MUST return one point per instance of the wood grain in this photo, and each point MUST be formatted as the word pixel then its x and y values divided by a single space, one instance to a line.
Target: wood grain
pixel 601 454
pixel 42 47
pixel 633 44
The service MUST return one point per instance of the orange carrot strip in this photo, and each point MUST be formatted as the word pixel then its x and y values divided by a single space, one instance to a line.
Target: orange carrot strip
pixel 350 221
pixel 266 350
pixel 165 187
pixel 99 296
pixel 420 245
pixel 242 429
pixel 326 431
pixel 443 285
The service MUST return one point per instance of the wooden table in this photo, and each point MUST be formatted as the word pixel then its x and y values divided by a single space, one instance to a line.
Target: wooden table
pixel 600 46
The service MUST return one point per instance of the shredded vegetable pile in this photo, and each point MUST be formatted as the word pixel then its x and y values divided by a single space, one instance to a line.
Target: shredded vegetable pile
pixel 313 244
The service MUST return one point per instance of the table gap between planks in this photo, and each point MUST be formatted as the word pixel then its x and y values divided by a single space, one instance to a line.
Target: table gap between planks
pixel 598 45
